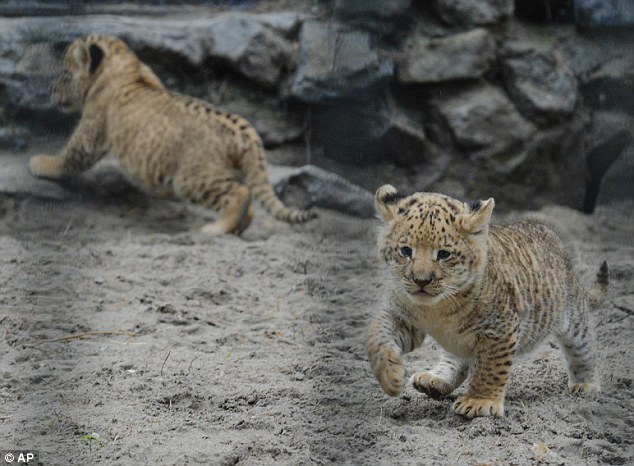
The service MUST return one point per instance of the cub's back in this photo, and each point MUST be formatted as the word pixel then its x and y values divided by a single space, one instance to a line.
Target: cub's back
pixel 529 270
pixel 155 131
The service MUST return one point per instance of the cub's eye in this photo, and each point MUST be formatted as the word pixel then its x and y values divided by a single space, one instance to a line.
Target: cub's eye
pixel 405 251
pixel 443 255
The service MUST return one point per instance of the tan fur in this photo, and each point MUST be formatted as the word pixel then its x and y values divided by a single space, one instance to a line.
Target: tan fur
pixel 174 145
pixel 484 293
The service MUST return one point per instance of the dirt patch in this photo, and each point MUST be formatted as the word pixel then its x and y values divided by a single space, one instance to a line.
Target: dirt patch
pixel 119 319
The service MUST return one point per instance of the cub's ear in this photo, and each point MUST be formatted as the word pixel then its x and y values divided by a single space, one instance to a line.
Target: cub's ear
pixel 475 219
pixel 81 55
pixel 385 201
pixel 88 57
pixel 96 57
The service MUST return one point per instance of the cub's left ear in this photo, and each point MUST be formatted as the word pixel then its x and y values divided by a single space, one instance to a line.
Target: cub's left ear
pixel 385 201
pixel 88 57
pixel 476 217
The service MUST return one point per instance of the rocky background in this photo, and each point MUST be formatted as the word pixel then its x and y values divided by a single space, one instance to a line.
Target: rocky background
pixel 129 338
pixel 526 101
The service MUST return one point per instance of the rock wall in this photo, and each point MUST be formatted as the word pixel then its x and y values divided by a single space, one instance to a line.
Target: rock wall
pixel 458 96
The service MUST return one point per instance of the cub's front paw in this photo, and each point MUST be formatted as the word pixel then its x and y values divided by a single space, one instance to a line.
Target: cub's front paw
pixel 584 389
pixel 389 371
pixel 45 166
pixel 431 385
pixel 472 407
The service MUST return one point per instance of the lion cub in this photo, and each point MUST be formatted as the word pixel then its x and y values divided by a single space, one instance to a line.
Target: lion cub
pixel 484 292
pixel 173 145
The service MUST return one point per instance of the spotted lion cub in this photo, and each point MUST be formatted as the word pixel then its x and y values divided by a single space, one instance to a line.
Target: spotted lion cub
pixel 484 292
pixel 173 145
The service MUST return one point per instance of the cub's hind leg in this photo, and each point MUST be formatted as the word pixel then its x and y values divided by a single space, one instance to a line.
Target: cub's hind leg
pixel 246 220
pixel 221 193
pixel 443 379
pixel 233 215
pixel 576 341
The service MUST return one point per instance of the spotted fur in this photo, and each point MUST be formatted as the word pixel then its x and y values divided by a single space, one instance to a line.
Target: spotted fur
pixel 484 292
pixel 174 145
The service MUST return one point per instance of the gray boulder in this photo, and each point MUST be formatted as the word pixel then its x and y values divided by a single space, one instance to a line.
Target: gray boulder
pixel 377 16
pixel 274 124
pixel 13 138
pixel 360 133
pixel 324 189
pixel 26 92
pixel 286 23
pixel 255 46
pixel 485 123
pixel 407 146
pixel 616 185
pixel 337 63
pixel 380 9
pixel 584 55
pixel 608 155
pixel 27 68
pixel 465 55
pixel 15 179
pixel 542 86
pixel 604 13
pixel 405 142
pixel 473 12
pixel 348 131
pixel 612 85
pixel 549 168
pixel 250 47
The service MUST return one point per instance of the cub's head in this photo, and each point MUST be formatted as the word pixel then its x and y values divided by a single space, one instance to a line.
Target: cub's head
pixel 81 63
pixel 434 245
pixel 94 57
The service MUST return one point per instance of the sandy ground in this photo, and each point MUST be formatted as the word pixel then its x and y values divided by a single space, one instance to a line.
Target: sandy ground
pixel 250 350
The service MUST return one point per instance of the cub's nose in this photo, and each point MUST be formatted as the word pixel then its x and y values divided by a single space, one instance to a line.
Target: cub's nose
pixel 423 282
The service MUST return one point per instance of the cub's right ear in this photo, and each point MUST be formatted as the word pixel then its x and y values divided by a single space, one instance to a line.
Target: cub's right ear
pixel 385 201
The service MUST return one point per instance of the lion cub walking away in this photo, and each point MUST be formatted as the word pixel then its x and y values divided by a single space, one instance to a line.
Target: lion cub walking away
pixel 172 144
pixel 484 293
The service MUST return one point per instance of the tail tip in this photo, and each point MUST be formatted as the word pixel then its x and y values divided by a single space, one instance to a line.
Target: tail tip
pixel 603 272
pixel 306 215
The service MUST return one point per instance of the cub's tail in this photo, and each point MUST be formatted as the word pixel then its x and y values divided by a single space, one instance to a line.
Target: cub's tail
pixel 599 289
pixel 256 179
